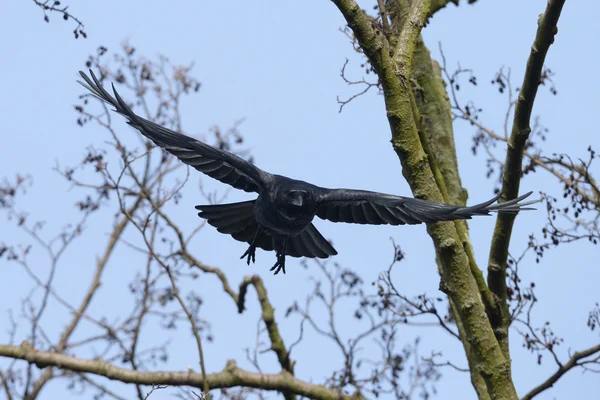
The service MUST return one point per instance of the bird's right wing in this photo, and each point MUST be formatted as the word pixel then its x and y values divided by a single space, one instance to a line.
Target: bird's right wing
pixel 219 164
pixel 364 207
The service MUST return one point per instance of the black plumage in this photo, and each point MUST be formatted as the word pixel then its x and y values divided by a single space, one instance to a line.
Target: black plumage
pixel 280 219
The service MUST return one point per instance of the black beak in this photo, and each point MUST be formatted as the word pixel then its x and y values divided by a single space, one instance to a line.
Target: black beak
pixel 297 201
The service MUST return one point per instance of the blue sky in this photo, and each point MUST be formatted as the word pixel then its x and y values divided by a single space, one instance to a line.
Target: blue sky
pixel 277 65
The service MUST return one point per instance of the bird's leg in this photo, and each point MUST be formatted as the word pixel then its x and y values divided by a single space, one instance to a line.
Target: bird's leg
pixel 280 264
pixel 251 251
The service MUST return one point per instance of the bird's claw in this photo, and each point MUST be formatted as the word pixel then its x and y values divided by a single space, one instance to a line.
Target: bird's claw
pixel 250 254
pixel 279 265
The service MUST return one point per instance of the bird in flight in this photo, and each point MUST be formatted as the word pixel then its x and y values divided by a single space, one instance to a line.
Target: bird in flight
pixel 280 219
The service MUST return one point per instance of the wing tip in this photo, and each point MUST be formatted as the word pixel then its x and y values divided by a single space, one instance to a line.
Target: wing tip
pixel 515 205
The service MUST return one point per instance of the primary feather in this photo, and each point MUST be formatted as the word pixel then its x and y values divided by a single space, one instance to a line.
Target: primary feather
pixel 216 163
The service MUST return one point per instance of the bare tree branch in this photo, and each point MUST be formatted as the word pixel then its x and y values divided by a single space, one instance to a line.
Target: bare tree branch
pixel 575 361
pixel 514 157
pixel 268 317
pixel 49 6
pixel 94 285
pixel 5 386
pixel 230 376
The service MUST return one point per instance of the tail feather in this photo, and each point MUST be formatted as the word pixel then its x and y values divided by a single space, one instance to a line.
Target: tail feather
pixel 310 243
pixel 229 218
pixel 237 220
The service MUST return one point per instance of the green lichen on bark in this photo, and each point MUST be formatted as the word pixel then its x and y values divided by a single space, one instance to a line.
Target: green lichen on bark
pixel 434 106
pixel 420 170
pixel 420 122
pixel 436 120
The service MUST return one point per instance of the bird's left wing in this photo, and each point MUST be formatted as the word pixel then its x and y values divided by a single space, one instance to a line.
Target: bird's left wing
pixel 219 164
pixel 364 207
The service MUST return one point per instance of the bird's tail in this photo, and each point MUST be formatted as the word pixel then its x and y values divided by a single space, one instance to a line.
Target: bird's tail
pixel 237 220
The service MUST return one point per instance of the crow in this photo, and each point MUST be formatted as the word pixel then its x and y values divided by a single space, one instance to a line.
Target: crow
pixel 280 219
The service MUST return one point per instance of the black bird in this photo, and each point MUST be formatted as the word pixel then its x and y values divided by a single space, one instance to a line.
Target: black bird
pixel 281 217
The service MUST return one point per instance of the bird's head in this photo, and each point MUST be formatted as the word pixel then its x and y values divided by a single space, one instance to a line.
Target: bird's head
pixel 296 198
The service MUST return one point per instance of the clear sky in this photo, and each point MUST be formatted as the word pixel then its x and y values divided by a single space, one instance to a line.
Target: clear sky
pixel 277 65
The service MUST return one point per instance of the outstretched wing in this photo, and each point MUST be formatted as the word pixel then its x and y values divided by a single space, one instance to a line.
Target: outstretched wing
pixel 364 207
pixel 219 164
